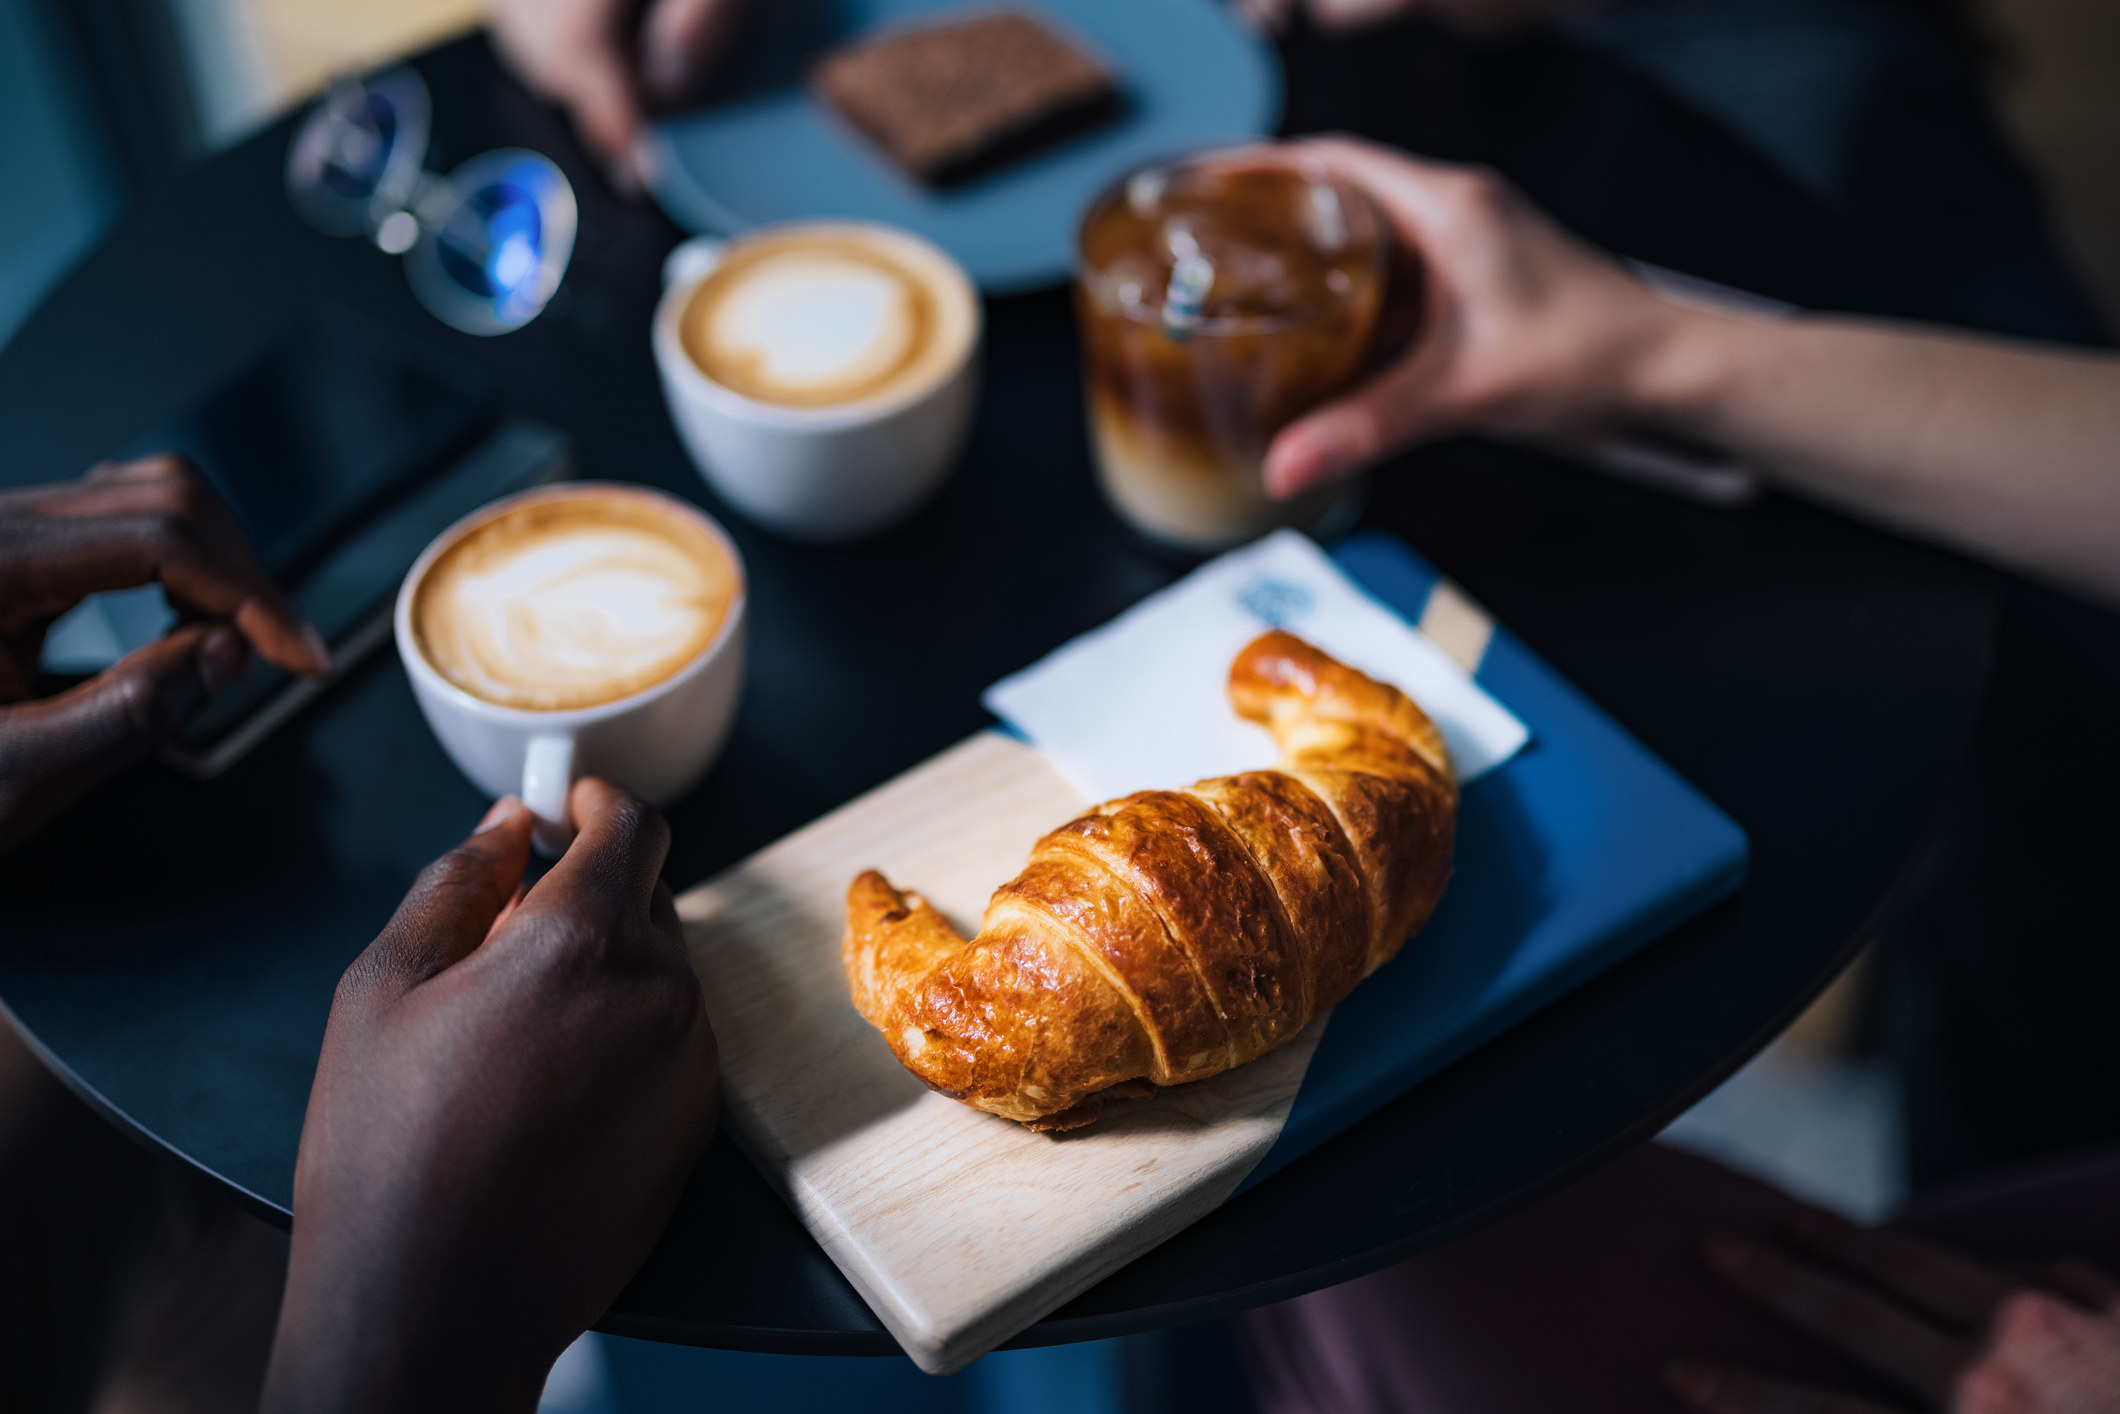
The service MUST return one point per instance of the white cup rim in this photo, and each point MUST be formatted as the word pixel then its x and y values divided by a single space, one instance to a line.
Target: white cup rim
pixel 564 718
pixel 678 365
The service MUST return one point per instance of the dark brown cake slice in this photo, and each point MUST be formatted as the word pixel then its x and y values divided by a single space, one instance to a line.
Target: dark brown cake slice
pixel 950 100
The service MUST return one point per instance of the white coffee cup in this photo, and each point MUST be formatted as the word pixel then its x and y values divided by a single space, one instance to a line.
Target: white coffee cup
pixel 819 473
pixel 656 742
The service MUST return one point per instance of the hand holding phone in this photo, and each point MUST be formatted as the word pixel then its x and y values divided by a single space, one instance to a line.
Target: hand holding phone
pixel 156 520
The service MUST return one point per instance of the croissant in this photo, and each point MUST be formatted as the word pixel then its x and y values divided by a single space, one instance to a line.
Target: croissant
pixel 1169 936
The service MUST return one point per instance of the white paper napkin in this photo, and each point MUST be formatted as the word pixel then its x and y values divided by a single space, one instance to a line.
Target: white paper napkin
pixel 1140 703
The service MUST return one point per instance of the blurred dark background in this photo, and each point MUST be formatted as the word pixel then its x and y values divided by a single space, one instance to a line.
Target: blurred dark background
pixel 101 99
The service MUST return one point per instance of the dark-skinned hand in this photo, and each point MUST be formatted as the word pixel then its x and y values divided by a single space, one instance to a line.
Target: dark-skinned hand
pixel 119 527
pixel 512 1090
pixel 1953 1333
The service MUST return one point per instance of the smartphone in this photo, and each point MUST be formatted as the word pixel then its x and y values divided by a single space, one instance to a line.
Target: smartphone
pixel 342 450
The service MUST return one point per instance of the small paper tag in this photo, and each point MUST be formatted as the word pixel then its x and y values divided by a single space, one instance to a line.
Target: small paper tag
pixel 1142 702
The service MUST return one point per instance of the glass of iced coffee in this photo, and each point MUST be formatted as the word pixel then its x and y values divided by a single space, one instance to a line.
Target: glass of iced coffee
pixel 1219 298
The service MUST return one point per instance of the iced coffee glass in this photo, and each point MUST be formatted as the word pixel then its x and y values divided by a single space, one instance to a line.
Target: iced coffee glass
pixel 1219 298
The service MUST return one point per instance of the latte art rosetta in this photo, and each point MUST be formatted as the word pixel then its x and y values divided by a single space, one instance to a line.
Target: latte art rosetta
pixel 590 610
pixel 570 603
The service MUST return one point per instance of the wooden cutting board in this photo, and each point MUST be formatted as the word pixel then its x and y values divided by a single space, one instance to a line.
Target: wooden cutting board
pixel 958 1228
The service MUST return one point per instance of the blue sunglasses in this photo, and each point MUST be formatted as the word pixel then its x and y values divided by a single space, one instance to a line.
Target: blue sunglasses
pixel 485 247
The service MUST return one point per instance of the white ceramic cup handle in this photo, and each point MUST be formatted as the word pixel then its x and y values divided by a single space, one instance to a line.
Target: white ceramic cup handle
pixel 692 260
pixel 548 774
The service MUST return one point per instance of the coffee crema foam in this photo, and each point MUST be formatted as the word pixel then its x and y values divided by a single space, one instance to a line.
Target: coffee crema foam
pixel 816 319
pixel 573 601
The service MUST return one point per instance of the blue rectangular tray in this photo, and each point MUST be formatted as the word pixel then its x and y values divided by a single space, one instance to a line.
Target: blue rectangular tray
pixel 1572 856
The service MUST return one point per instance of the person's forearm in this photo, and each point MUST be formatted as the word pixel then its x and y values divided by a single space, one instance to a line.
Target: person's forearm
pixel 2006 450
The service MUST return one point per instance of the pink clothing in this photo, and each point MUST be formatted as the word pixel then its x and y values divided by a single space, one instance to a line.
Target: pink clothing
pixel 1577 1303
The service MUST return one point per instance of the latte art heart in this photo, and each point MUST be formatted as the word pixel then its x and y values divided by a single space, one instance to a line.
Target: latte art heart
pixel 567 603
pixel 811 326
pixel 814 318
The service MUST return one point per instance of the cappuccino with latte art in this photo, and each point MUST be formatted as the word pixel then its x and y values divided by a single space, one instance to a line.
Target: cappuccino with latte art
pixel 569 601
pixel 826 316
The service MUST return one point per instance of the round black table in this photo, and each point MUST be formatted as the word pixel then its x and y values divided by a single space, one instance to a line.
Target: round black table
pixel 173 946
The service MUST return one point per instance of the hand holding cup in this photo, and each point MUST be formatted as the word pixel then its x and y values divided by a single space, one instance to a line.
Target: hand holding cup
pixel 512 1090
pixel 1526 332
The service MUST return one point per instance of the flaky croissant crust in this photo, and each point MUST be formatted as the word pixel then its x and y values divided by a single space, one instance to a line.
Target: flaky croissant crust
pixel 1173 934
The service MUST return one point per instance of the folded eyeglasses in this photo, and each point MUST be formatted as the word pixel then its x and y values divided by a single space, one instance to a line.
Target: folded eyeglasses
pixel 485 247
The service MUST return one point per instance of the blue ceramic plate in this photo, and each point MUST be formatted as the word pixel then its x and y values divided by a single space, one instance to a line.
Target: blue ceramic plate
pixel 1194 77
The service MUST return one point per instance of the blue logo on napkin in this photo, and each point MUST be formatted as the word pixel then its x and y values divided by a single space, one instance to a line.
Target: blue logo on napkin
pixel 1278 602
